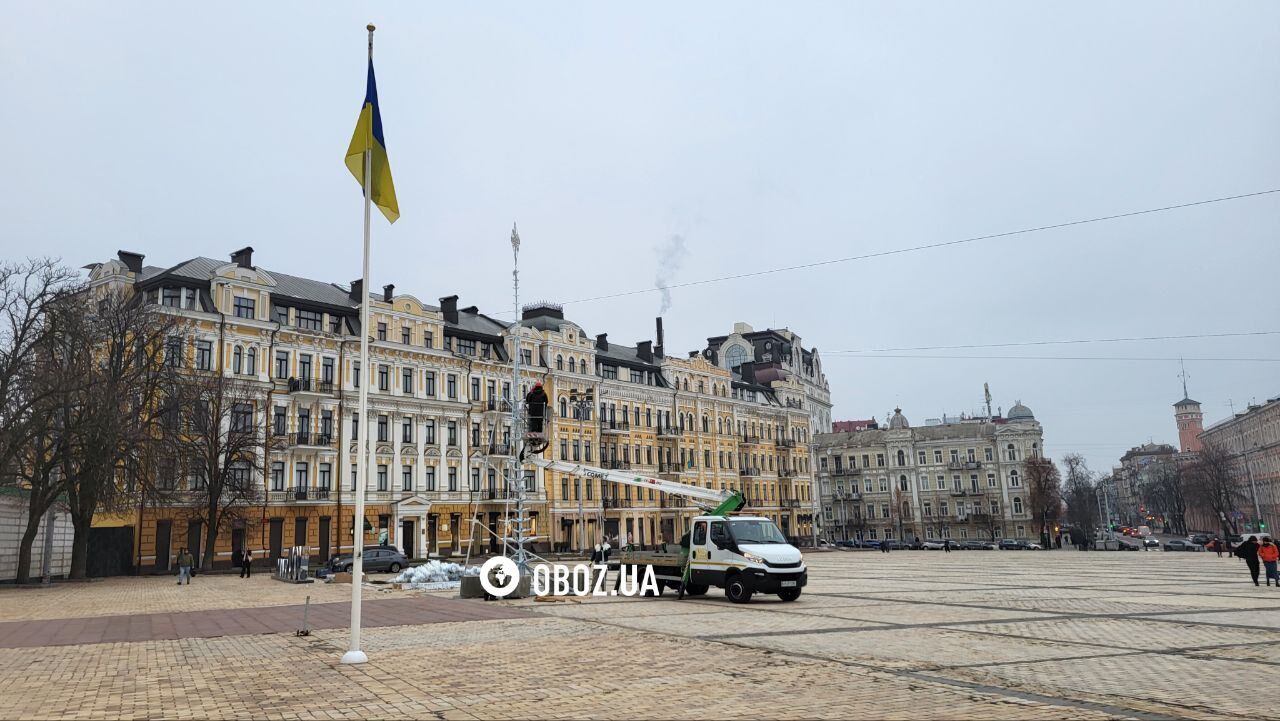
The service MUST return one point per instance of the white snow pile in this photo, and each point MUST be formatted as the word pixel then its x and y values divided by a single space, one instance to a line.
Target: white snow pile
pixel 435 572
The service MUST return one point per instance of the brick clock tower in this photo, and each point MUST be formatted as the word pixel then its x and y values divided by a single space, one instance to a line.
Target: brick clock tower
pixel 1190 420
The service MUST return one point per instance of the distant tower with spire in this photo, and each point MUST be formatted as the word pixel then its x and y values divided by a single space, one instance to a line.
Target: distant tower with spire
pixel 1189 418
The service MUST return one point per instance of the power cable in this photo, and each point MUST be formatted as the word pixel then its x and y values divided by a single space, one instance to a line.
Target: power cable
pixel 1074 341
pixel 1062 358
pixel 928 246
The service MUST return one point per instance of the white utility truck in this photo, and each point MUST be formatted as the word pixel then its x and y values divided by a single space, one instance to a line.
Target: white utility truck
pixel 743 554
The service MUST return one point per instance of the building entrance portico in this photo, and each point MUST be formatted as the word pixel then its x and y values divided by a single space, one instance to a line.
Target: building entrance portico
pixel 411 520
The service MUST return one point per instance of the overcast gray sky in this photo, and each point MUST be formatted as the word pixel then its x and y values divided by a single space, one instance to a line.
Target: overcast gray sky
pixel 764 134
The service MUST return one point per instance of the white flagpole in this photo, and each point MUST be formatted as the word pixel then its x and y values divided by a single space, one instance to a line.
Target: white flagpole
pixel 363 446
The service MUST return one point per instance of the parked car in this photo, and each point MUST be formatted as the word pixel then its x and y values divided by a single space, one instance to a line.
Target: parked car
pixel 1128 545
pixel 893 543
pixel 1200 538
pixel 1033 546
pixel 933 544
pixel 848 543
pixel 1013 544
pixel 977 546
pixel 377 559
pixel 1180 545
pixel 1151 542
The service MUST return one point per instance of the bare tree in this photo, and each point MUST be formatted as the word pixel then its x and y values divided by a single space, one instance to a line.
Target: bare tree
pixel 28 290
pixel 1080 495
pixel 1163 491
pixel 1044 493
pixel 1214 481
pixel 215 438
pixel 118 344
pixel 34 378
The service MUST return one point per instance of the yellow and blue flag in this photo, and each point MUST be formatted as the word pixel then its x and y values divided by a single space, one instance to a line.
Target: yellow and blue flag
pixel 368 136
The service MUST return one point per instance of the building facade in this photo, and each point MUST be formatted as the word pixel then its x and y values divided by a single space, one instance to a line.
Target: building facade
pixel 960 480
pixel 440 392
pixel 1253 440
pixel 1124 487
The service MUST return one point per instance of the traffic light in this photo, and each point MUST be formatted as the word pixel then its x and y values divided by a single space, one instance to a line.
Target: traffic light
pixel 1262 525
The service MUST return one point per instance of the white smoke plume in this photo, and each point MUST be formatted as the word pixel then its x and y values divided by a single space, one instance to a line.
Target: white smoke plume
pixel 670 256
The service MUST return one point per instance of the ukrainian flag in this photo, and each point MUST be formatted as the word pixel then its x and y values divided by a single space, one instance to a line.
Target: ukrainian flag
pixel 368 136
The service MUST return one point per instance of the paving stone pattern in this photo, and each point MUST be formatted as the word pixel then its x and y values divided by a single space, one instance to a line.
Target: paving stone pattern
pixel 976 635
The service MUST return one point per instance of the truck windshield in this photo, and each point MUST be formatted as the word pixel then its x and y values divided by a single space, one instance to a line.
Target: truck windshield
pixel 755 530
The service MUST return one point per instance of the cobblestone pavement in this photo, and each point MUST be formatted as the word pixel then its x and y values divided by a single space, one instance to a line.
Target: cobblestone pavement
pixel 904 635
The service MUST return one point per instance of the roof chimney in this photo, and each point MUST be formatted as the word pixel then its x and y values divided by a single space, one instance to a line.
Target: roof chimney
pixel 644 349
pixel 602 341
pixel 449 306
pixel 659 348
pixel 357 291
pixel 388 292
pixel 132 261
pixel 243 257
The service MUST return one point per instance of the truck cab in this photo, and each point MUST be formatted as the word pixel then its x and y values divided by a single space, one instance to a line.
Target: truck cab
pixel 744 555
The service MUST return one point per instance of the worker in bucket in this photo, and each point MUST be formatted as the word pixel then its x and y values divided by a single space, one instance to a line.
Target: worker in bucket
pixel 536 404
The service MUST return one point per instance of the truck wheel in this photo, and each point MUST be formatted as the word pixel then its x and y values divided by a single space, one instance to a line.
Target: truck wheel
pixel 695 590
pixel 737 590
pixel 789 594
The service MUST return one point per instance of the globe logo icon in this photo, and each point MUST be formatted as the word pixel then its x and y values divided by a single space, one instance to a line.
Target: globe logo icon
pixel 503 570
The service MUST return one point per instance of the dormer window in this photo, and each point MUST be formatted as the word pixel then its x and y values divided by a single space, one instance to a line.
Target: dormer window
pixel 246 307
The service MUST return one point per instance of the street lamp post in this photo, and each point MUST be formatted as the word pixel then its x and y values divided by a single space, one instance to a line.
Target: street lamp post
pixel 582 402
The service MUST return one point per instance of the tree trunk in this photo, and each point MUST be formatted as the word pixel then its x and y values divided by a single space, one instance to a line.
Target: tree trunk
pixel 80 545
pixel 210 538
pixel 24 548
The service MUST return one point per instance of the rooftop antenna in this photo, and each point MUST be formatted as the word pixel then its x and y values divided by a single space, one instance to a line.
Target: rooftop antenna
pixel 1183 375
pixel 986 392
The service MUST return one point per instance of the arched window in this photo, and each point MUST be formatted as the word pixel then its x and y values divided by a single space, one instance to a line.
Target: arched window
pixel 735 356
pixel 573 365
pixel 237 360
pixel 906 509
pixel 686 384
pixel 719 426
pixel 1035 450
pixel 902 458
pixel 1017 504
pixel 1011 452
pixel 706 424
pixel 559 362
pixel 251 361
pixel 903 483
pixel 1014 480
pixel 564 408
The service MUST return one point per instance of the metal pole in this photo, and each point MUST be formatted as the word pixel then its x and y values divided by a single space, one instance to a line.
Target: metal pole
pixel 521 557
pixel 363 447
pixel 579 405
pixel 1253 488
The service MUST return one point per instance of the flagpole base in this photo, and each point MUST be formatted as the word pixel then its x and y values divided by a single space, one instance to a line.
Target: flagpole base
pixel 354 657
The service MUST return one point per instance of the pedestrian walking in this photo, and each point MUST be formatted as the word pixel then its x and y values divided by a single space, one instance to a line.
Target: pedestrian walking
pixel 946 545
pixel 1269 554
pixel 1249 552
pixel 185 562
pixel 246 563
pixel 1217 545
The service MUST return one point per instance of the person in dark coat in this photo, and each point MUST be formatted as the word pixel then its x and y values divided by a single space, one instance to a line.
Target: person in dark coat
pixel 246 563
pixel 536 404
pixel 1249 552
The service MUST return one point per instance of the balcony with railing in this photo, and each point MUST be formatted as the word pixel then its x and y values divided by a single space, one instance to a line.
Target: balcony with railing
pixel 749 472
pixel 493 405
pixel 790 503
pixel 846 496
pixel 847 471
pixel 786 473
pixel 312 439
pixel 785 442
pixel 615 426
pixel 964 465
pixel 670 432
pixel 495 494
pixel 611 502
pixel 300 494
pixel 614 464
pixel 750 440
pixel 669 469
pixel 499 449
pixel 310 385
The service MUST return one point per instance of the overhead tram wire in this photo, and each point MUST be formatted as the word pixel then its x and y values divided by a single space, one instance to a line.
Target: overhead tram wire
pixel 927 246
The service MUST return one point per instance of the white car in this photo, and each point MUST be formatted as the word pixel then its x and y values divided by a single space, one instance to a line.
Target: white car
pixel 933 545
pixel 1033 546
